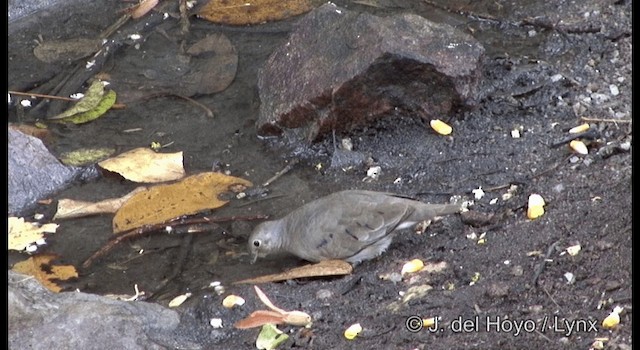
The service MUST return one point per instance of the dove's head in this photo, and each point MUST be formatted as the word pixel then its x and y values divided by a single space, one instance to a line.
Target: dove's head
pixel 265 239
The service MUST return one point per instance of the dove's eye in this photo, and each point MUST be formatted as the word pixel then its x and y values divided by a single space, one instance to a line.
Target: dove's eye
pixel 256 243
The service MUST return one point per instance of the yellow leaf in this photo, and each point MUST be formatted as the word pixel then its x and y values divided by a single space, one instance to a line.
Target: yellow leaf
pixel 40 267
pixel 162 203
pixel 23 234
pixel 241 12
pixel 144 165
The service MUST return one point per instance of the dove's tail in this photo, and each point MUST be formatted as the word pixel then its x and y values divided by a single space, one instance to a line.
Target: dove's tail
pixel 429 211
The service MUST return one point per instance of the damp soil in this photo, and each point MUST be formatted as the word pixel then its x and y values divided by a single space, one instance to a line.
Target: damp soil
pixel 547 66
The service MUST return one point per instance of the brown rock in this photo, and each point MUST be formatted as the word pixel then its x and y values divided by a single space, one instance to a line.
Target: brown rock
pixel 341 69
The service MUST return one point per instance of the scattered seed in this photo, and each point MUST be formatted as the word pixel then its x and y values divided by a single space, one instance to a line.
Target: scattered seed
pixel 232 300
pixel 536 206
pixel 579 147
pixel 580 128
pixel 353 331
pixel 414 265
pixel 441 127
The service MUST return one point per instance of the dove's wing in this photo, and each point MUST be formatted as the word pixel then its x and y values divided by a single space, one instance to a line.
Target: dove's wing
pixel 342 229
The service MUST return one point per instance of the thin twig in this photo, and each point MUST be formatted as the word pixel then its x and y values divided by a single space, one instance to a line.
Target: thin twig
pixel 178 264
pixel 61 98
pixel 184 17
pixel 543 336
pixel 259 200
pixel 541 266
pixel 597 120
pixel 176 225
pixel 206 109
pixel 51 97
pixel 280 173
pixel 554 167
pixel 115 26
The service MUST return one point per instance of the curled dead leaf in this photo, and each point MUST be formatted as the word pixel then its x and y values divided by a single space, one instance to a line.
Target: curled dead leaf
pixel 259 318
pixel 144 165
pixel 241 12
pixel 143 8
pixel 323 268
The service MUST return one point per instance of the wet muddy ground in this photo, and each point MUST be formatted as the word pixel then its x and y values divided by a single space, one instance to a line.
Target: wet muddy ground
pixel 546 67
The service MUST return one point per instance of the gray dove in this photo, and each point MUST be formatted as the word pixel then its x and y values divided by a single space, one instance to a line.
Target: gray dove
pixel 350 225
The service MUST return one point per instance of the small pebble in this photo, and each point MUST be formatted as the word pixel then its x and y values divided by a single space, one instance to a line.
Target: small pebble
pixel 324 294
pixel 556 78
pixel 614 90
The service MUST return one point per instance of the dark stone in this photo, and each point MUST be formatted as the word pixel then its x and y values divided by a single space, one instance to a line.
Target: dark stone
pixel 341 69
pixel 40 319
pixel 34 173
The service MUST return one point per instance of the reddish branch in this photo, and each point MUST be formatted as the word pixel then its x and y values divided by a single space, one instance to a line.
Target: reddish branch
pixel 189 225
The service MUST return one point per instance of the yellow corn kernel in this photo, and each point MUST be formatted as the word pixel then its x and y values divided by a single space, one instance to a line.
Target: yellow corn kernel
pixel 177 301
pixel 580 128
pixel 414 265
pixel 579 147
pixel 440 127
pixel 232 300
pixel 536 206
pixel 574 249
pixel 353 331
pixel 428 322
pixel 613 319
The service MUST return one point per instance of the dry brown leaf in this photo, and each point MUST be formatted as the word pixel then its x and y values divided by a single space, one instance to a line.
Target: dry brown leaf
pixel 143 8
pixel 323 268
pixel 43 134
pixel 39 266
pixel 66 50
pixel 435 267
pixel 70 208
pixel 275 316
pixel 165 202
pixel 145 165
pixel 241 12
pixel 23 234
pixel 212 68
pixel 259 318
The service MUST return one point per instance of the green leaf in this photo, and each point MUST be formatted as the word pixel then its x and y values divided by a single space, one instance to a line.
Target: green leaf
pixel 86 156
pixel 270 337
pixel 92 97
pixel 103 106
